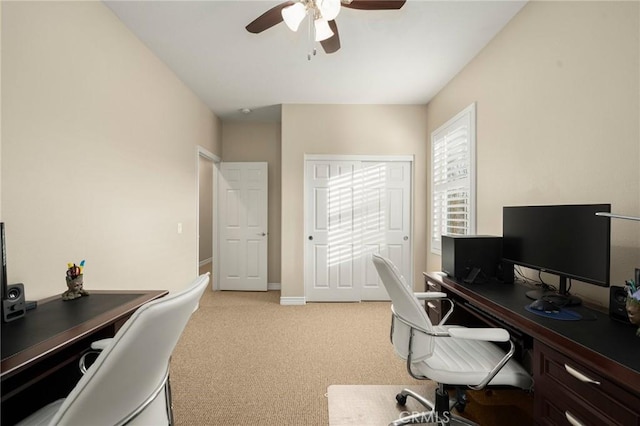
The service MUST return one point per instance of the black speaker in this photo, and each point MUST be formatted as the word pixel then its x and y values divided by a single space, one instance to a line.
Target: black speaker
pixel 13 305
pixel 617 304
pixel 462 253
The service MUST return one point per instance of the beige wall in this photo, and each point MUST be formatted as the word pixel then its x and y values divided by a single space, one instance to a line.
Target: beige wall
pixel 260 142
pixel 205 205
pixel 558 118
pixel 346 129
pixel 99 152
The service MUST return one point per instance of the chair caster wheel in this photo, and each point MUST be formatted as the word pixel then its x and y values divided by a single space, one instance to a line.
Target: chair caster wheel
pixel 402 399
pixel 461 401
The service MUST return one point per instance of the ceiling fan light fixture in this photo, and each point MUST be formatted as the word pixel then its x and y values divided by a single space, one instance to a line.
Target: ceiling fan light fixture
pixel 329 9
pixel 293 15
pixel 322 13
pixel 323 31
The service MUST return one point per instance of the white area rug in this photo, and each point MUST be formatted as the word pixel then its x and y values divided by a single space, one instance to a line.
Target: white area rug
pixel 371 405
pixel 375 405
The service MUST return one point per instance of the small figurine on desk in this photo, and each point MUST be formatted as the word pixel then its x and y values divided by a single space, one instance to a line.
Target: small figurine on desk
pixel 633 304
pixel 74 282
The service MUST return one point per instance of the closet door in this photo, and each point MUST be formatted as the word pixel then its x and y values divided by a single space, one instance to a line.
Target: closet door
pixel 353 209
pixel 386 221
pixel 332 259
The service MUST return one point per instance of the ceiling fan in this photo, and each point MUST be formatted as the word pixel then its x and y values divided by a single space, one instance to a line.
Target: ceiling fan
pixel 321 12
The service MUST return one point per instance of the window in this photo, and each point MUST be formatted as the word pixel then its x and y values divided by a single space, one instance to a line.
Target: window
pixel 453 166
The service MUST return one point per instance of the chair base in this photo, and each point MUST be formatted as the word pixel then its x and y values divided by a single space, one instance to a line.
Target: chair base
pixel 439 412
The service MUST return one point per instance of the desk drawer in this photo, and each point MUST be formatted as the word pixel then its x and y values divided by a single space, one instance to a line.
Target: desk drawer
pixel 433 307
pixel 565 388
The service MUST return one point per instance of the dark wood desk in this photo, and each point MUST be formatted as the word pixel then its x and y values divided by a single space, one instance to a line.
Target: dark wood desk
pixel 596 346
pixel 40 351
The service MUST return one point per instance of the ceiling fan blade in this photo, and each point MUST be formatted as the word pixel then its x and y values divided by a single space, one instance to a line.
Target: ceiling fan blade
pixel 268 19
pixel 375 4
pixel 332 44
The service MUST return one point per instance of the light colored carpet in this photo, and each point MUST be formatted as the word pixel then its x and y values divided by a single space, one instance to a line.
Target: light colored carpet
pixel 246 360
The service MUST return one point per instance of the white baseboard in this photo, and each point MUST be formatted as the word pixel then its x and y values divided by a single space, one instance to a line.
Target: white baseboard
pixel 273 286
pixel 205 262
pixel 291 301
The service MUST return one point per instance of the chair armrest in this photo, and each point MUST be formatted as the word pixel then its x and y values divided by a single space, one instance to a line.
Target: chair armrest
pixel 486 334
pixel 430 295
pixel 436 295
pixel 96 347
pixel 100 345
pixel 435 333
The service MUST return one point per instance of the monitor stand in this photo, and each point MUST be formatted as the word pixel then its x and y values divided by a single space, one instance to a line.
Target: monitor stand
pixel 559 298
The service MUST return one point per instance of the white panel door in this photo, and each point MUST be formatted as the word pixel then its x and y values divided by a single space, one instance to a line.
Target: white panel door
pixel 386 221
pixel 332 259
pixel 243 226
pixel 354 209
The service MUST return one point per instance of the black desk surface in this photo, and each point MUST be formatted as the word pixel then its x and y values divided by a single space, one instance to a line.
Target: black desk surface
pixel 52 318
pixel 41 349
pixel 55 324
pixel 611 340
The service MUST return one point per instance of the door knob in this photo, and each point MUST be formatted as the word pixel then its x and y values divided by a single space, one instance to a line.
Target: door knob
pixel 310 237
pixel 262 234
pixel 405 238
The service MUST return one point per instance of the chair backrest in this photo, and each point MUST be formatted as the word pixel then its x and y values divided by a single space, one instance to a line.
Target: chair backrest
pixel 135 363
pixel 408 307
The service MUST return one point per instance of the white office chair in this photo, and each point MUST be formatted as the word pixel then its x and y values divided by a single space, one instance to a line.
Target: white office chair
pixel 128 382
pixel 448 355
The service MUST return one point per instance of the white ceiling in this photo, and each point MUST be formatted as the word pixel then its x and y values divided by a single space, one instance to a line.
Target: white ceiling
pixel 387 57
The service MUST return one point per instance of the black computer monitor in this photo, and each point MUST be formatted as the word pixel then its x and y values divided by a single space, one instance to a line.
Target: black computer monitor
pixel 566 240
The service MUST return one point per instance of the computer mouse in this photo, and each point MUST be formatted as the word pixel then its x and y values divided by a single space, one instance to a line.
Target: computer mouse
pixel 544 305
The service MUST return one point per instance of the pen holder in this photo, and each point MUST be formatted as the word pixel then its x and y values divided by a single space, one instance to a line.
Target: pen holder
pixel 633 312
pixel 75 289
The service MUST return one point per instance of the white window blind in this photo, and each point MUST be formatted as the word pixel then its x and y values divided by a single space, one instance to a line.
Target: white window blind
pixel 453 177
